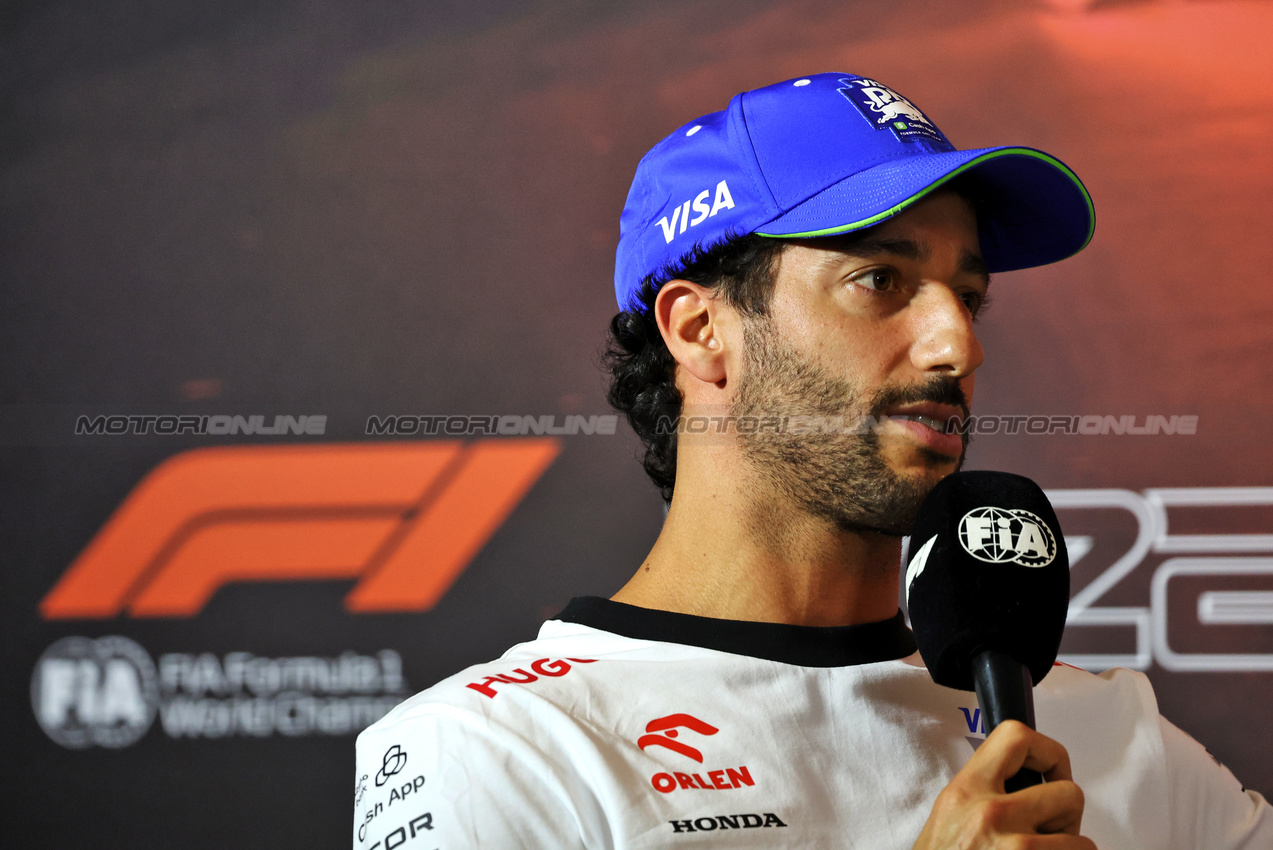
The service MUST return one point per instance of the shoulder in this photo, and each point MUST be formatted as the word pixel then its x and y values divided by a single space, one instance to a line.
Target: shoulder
pixel 486 753
pixel 1108 723
pixel 1095 709
pixel 1147 783
pixel 1126 691
pixel 1105 717
pixel 528 750
pixel 1219 811
pixel 562 665
pixel 541 690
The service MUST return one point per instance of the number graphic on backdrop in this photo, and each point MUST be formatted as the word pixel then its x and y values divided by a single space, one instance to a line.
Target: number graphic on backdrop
pixel 1216 608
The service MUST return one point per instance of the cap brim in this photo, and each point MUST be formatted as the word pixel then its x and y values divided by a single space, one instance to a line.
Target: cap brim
pixel 1032 210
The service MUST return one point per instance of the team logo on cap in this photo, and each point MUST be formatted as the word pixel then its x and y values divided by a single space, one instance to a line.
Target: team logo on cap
pixel 886 109
pixel 1007 535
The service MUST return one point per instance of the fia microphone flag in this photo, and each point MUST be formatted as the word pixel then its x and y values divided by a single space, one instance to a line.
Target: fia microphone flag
pixel 988 572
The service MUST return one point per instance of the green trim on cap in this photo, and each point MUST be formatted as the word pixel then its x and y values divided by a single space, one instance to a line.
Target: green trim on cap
pixel 894 210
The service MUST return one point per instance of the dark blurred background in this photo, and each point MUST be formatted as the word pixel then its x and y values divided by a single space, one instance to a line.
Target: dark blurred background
pixel 382 209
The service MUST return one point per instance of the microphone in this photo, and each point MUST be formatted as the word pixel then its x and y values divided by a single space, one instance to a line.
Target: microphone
pixel 988 587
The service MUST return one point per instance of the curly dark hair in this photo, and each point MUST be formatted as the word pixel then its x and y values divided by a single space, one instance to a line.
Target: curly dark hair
pixel 743 270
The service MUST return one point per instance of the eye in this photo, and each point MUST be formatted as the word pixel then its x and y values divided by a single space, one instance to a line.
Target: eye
pixel 877 280
pixel 976 302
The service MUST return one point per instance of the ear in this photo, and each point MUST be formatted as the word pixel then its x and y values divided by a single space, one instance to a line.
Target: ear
pixel 688 319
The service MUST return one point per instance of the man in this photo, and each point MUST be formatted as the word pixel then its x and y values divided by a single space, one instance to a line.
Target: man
pixel 799 277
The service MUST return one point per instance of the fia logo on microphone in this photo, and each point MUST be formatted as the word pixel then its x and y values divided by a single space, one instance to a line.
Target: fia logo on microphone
pixel 1007 535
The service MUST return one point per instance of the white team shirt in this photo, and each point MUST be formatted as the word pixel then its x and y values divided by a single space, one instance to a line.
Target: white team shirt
pixel 620 727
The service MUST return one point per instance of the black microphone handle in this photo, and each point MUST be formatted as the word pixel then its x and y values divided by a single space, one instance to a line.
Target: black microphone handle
pixel 1005 691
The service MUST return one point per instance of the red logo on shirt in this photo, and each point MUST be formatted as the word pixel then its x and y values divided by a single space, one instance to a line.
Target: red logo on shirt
pixel 668 726
pixel 543 667
pixel 662 732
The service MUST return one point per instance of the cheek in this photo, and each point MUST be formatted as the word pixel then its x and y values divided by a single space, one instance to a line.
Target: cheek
pixel 875 353
pixel 866 350
pixel 804 331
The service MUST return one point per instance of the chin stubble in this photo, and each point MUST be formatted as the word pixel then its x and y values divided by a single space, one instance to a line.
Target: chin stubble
pixel 837 474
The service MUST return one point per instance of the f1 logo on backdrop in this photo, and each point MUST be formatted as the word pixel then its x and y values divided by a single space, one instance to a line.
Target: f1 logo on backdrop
pixel 403 518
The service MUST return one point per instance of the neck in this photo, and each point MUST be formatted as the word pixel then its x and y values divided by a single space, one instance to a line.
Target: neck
pixel 730 549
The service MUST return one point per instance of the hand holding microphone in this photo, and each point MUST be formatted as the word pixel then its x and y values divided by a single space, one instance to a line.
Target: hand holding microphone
pixel 974 813
pixel 987 586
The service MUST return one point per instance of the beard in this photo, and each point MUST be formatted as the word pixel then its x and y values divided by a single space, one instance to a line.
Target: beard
pixel 836 473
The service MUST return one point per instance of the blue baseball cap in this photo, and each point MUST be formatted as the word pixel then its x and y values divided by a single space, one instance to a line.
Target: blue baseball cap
pixel 827 154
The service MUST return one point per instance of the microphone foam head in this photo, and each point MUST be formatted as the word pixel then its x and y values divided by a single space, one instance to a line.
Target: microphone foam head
pixel 988 570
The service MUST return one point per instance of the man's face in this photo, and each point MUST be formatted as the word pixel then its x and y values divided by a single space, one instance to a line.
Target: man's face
pixel 874 325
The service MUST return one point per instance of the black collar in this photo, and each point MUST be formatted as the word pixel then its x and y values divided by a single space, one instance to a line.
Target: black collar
pixel 806 646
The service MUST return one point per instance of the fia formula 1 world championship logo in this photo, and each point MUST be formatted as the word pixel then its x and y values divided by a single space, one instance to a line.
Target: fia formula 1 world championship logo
pixel 101 692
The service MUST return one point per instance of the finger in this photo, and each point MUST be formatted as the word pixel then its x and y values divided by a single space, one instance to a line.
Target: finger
pixel 1014 745
pixel 1051 759
pixel 1059 842
pixel 1056 807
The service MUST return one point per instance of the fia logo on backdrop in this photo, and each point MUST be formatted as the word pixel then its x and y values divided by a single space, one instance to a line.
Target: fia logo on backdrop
pixel 100 692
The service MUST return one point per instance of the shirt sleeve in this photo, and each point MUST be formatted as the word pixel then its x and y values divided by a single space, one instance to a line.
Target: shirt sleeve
pixel 434 776
pixel 1209 807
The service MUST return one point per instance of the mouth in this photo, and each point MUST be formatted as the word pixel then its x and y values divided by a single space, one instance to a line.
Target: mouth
pixel 933 426
pixel 934 416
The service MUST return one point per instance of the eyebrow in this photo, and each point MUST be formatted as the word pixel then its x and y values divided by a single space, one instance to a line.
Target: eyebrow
pixel 909 249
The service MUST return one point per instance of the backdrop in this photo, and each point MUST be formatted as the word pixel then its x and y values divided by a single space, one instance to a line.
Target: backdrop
pixel 302 308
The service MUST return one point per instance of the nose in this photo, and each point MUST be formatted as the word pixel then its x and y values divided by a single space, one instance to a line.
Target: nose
pixel 945 341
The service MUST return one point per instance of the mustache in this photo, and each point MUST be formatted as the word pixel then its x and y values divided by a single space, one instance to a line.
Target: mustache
pixel 936 390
